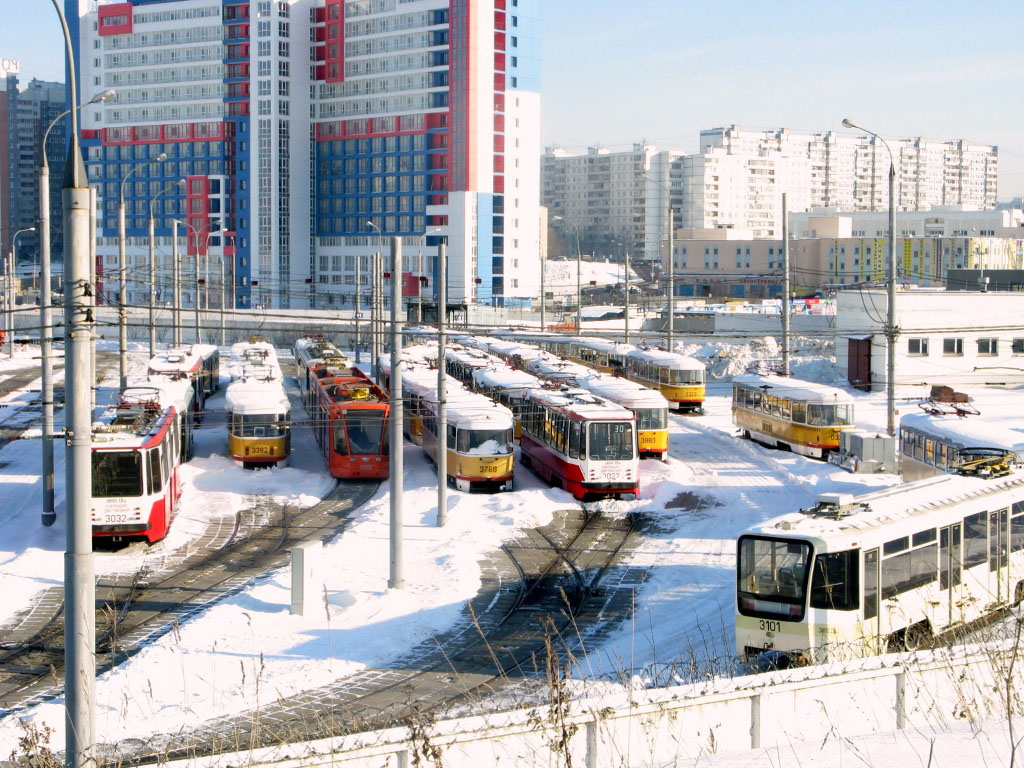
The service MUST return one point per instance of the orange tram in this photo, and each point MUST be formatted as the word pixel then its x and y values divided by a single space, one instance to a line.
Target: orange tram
pixel 347 410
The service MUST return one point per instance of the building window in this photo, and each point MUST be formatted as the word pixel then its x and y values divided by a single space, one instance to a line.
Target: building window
pixel 953 347
pixel 988 347
pixel 1017 346
pixel 917 347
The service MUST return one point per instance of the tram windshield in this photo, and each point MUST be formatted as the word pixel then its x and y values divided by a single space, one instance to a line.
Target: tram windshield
pixel 485 442
pixel 693 376
pixel 611 441
pixel 771 576
pixel 258 425
pixel 364 431
pixel 116 473
pixel 651 418
pixel 820 415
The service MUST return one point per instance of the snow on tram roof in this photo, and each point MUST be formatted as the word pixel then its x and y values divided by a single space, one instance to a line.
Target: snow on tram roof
pixel 470 410
pixel 795 389
pixel 581 403
pixel 974 431
pixel 504 378
pixel 257 385
pixel 623 391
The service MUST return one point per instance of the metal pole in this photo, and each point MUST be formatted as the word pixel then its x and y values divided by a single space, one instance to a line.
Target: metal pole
pixel 543 262
pixel 9 302
pixel 785 286
pixel 579 292
pixel 49 516
pixel 670 335
pixel 626 314
pixel 223 331
pixel 79 579
pixel 199 338
pixel 442 407
pixel 374 318
pixel 359 287
pixel 892 332
pixel 396 581
pixel 152 286
pixel 176 283
pixel 122 293
pixel 93 281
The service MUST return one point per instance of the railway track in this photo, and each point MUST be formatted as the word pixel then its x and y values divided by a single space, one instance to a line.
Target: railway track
pixel 556 586
pixel 133 610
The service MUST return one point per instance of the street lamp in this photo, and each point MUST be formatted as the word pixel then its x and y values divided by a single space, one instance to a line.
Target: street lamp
pixel 375 308
pixel 179 184
pixel 11 266
pixel 579 268
pixel 123 271
pixel 890 330
pixel 45 316
pixel 176 278
pixel 670 330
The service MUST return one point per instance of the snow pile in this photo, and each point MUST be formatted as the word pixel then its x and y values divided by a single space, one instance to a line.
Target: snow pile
pixel 812 359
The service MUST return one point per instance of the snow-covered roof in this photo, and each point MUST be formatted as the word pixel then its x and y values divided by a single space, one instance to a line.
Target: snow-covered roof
pixel 470 410
pixel 256 381
pixel 608 347
pixel 664 359
pixel 900 510
pixel 557 369
pixel 998 430
pixel 504 378
pixel 177 362
pixel 626 393
pixel 140 413
pixel 580 402
pixel 795 389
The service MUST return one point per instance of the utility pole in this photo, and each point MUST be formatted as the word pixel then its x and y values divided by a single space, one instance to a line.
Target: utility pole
pixel 93 271
pixel 176 283
pixel 626 314
pixel 396 581
pixel 359 287
pixel 49 516
pixel 442 406
pixel 785 286
pixel 9 302
pixel 195 280
pixel 543 262
pixel 374 313
pixel 670 335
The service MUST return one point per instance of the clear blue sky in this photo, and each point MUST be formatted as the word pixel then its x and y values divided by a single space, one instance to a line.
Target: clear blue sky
pixel 619 71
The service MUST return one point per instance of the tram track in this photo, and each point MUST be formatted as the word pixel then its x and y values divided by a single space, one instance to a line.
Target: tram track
pixel 550 586
pixel 132 610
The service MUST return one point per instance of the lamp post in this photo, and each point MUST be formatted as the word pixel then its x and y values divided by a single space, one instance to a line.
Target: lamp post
pixel 180 184
pixel 11 266
pixel 223 289
pixel 176 278
pixel 579 269
pixel 891 332
pixel 123 272
pixel 670 328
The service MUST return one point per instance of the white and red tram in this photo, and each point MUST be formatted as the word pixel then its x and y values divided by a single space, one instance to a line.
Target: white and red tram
pixel 138 446
pixel 580 442
pixel 199 363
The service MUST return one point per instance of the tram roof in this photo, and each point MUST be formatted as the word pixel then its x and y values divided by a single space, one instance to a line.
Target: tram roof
pixel 471 410
pixel 901 510
pixel 795 389
pixel 663 359
pixel 504 378
pixel 127 423
pixel 252 395
pixel 580 403
pixel 172 391
pixel 180 360
pixel 975 431
pixel 623 391
pixel 557 368
pixel 609 347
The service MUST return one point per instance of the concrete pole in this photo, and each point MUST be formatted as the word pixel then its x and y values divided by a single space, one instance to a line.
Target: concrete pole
pixel 374 314
pixel 93 281
pixel 122 293
pixel 442 407
pixel 891 330
pixel 670 334
pixel 175 284
pixel 199 338
pixel 152 285
pixel 9 301
pixel 579 291
pixel 49 516
pixel 626 314
pixel 223 330
pixel 359 287
pixel 396 581
pixel 543 262
pixel 785 286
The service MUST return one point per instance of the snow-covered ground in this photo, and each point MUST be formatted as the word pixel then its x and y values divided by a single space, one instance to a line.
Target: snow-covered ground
pixel 249 647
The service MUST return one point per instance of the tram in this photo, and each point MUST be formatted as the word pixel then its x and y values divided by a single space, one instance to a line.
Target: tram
pixel 199 363
pixel 259 428
pixel 479 442
pixel 349 414
pixel 932 444
pixel 788 413
pixel 581 443
pixel 313 353
pixel 507 386
pixel 887 570
pixel 138 446
pixel 649 406
pixel 678 377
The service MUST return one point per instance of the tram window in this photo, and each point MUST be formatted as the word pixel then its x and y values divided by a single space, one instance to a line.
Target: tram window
pixel 485 442
pixel 773 572
pixel 834 581
pixel 116 473
pixel 340 439
pixel 651 418
pixel 975 539
pixel 1016 533
pixel 909 570
pixel 929 451
pixel 924 537
pixel 450 442
pixel 577 448
pixel 919 448
pixel 871 584
pixel 785 409
pixel 611 441
pixel 940 455
pixel 153 477
pixel 800 413
pixel 998 556
pixel 685 377
pixel 896 545
pixel 364 431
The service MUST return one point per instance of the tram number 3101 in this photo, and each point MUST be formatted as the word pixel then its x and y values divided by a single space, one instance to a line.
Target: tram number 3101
pixel 767 625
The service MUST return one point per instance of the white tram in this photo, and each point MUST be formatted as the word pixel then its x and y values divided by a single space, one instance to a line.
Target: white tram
pixel 259 414
pixel 507 386
pixel 886 570
pixel 650 407
pixel 931 443
pixel 138 446
pixel 199 363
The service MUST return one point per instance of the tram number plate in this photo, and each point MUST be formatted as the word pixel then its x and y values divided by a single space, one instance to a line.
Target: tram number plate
pixel 647 439
pixel 258 450
pixel 489 470
pixel 111 518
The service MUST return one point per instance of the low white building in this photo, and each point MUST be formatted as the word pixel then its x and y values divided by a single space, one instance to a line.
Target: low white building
pixel 958 338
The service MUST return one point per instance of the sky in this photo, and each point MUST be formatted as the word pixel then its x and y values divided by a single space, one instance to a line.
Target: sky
pixel 614 73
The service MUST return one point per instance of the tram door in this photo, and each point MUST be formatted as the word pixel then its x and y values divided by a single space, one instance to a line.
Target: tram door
pixel 950 544
pixel 871 605
pixel 998 553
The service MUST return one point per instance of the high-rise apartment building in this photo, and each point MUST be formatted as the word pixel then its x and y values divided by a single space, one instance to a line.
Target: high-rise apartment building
pixel 310 131
pixel 27 113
